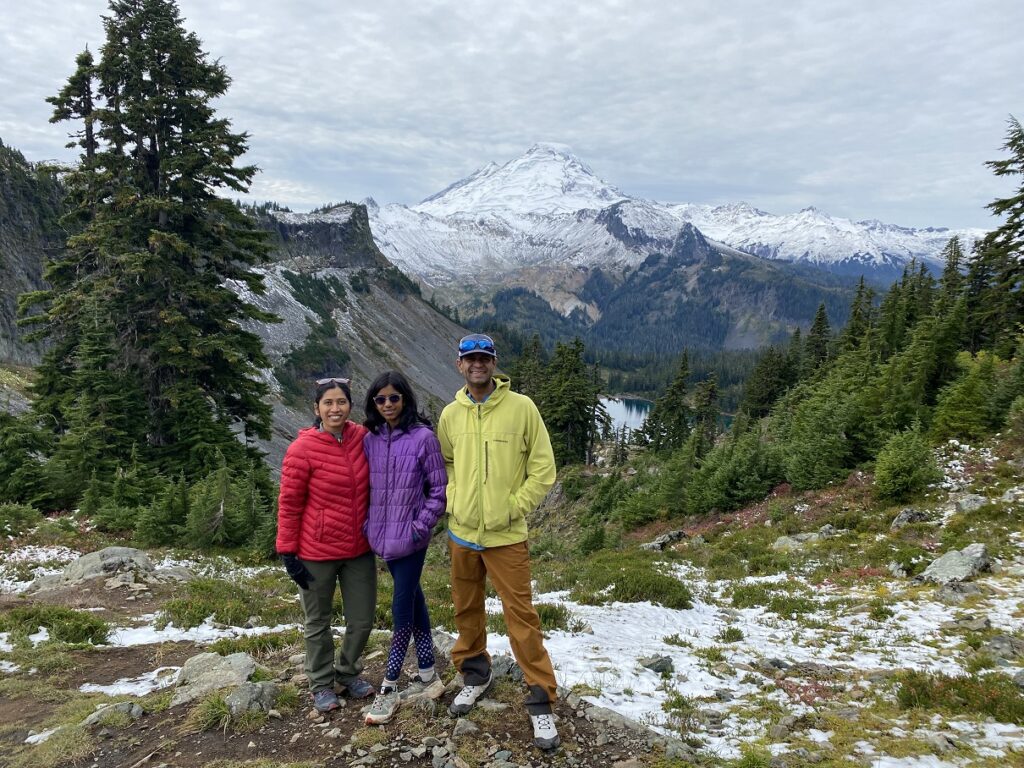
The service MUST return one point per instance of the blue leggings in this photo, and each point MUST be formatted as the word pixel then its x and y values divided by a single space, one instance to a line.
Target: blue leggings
pixel 409 615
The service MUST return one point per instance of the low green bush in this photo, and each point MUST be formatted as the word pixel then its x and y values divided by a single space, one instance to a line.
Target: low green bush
pixel 905 466
pixel 63 624
pixel 18 519
pixel 228 602
pixel 628 577
pixel 991 694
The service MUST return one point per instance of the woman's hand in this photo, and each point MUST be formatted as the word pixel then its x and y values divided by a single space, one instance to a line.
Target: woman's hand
pixel 297 570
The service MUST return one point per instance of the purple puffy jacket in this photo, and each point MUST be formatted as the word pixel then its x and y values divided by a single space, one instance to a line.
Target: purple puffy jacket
pixel 407 489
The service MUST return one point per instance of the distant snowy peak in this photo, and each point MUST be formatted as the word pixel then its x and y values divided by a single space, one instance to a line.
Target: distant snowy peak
pixel 548 179
pixel 814 236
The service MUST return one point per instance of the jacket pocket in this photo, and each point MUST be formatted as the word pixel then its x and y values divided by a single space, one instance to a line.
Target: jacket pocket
pixel 320 517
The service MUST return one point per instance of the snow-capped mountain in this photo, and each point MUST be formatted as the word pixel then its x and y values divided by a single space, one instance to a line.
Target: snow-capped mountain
pixel 548 208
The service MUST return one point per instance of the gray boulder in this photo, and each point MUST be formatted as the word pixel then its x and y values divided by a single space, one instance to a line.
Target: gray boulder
pixel 968 502
pixel 908 516
pixel 1005 647
pixel 660 665
pixel 443 642
pixel 104 562
pixel 663 541
pixel 210 672
pixel 252 697
pixel 1018 679
pixel 504 665
pixel 957 566
pixel 130 708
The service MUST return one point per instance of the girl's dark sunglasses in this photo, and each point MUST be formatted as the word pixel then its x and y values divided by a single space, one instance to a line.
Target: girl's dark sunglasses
pixel 381 399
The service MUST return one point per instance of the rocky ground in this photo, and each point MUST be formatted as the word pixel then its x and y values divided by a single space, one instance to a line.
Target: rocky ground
pixel 814 629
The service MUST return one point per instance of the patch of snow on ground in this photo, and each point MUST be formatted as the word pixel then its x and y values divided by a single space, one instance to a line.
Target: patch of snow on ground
pixel 8 667
pixel 147 634
pixel 850 642
pixel 39 637
pixel 161 677
pixel 49 560
pixel 39 738
pixel 5 642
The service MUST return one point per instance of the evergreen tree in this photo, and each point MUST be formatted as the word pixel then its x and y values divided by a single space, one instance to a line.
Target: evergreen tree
pixel 156 247
pixel 861 317
pixel 528 370
pixel 705 417
pixel 769 379
pixel 163 521
pixel 667 426
pixel 952 281
pixel 905 466
pixel 570 403
pixel 816 346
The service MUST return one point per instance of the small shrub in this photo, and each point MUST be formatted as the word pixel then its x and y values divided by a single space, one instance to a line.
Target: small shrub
pixel 63 624
pixel 780 602
pixel 711 654
pixel 212 712
pixel 228 602
pixel 731 635
pixel 753 756
pixel 17 519
pixel 905 466
pixel 257 646
pixel 992 694
pixel 976 662
pixel 553 616
pixel 682 713
pixel 880 611
pixel 676 640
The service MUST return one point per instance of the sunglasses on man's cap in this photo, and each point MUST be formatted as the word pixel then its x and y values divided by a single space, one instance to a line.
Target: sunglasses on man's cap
pixel 476 342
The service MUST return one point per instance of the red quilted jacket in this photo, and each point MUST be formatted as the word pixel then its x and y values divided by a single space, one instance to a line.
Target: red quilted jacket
pixel 325 492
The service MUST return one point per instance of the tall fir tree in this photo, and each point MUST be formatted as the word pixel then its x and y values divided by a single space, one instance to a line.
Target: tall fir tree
pixel 569 401
pixel 816 347
pixel 668 425
pixel 156 247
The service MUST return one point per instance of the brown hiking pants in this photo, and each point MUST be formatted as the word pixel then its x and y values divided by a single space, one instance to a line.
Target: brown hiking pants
pixel 509 570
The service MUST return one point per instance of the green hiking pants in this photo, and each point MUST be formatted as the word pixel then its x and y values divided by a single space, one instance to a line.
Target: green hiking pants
pixel 358 580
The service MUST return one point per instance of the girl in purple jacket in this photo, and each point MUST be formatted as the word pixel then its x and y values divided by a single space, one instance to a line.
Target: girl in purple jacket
pixel 407 497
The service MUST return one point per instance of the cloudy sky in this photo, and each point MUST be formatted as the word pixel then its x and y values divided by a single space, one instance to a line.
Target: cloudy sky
pixel 882 109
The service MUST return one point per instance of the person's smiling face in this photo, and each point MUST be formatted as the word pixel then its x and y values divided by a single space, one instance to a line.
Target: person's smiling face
pixel 391 411
pixel 333 409
pixel 477 369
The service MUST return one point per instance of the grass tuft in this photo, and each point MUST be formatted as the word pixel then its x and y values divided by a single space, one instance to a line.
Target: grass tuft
pixel 992 694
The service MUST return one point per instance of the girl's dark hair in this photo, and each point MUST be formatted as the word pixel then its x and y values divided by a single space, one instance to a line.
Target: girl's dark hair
pixel 410 410
pixel 322 388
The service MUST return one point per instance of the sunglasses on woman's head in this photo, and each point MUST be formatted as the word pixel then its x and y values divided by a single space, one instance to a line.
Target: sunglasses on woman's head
pixel 381 399
pixel 332 380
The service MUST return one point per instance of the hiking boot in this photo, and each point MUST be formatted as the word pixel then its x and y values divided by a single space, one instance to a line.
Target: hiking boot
pixel 466 699
pixel 357 688
pixel 545 735
pixel 325 700
pixel 384 706
pixel 418 689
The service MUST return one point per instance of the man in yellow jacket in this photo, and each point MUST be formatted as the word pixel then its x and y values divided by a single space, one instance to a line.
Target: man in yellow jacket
pixel 500 465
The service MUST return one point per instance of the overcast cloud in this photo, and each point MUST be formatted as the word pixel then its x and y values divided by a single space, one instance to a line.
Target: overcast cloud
pixel 865 109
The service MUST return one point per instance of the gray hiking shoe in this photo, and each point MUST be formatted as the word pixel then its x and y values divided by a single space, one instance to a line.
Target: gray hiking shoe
pixel 466 699
pixel 545 735
pixel 325 700
pixel 431 689
pixel 384 706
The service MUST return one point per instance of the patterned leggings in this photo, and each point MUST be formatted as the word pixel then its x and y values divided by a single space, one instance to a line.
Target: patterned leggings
pixel 409 615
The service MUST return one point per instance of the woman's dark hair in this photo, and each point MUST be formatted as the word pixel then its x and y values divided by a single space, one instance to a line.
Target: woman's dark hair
pixel 321 389
pixel 410 410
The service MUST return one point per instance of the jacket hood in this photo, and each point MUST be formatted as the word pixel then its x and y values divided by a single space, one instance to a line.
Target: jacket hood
pixel 502 385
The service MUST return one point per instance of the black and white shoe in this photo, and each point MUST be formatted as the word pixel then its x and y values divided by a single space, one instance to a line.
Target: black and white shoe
pixel 545 735
pixel 466 699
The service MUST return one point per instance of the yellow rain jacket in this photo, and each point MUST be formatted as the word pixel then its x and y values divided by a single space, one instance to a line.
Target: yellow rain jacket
pixel 500 464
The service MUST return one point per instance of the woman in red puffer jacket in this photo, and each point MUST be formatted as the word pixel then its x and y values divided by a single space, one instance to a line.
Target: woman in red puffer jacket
pixel 321 514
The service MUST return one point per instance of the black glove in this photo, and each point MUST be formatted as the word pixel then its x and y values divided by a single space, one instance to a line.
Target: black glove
pixel 297 570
